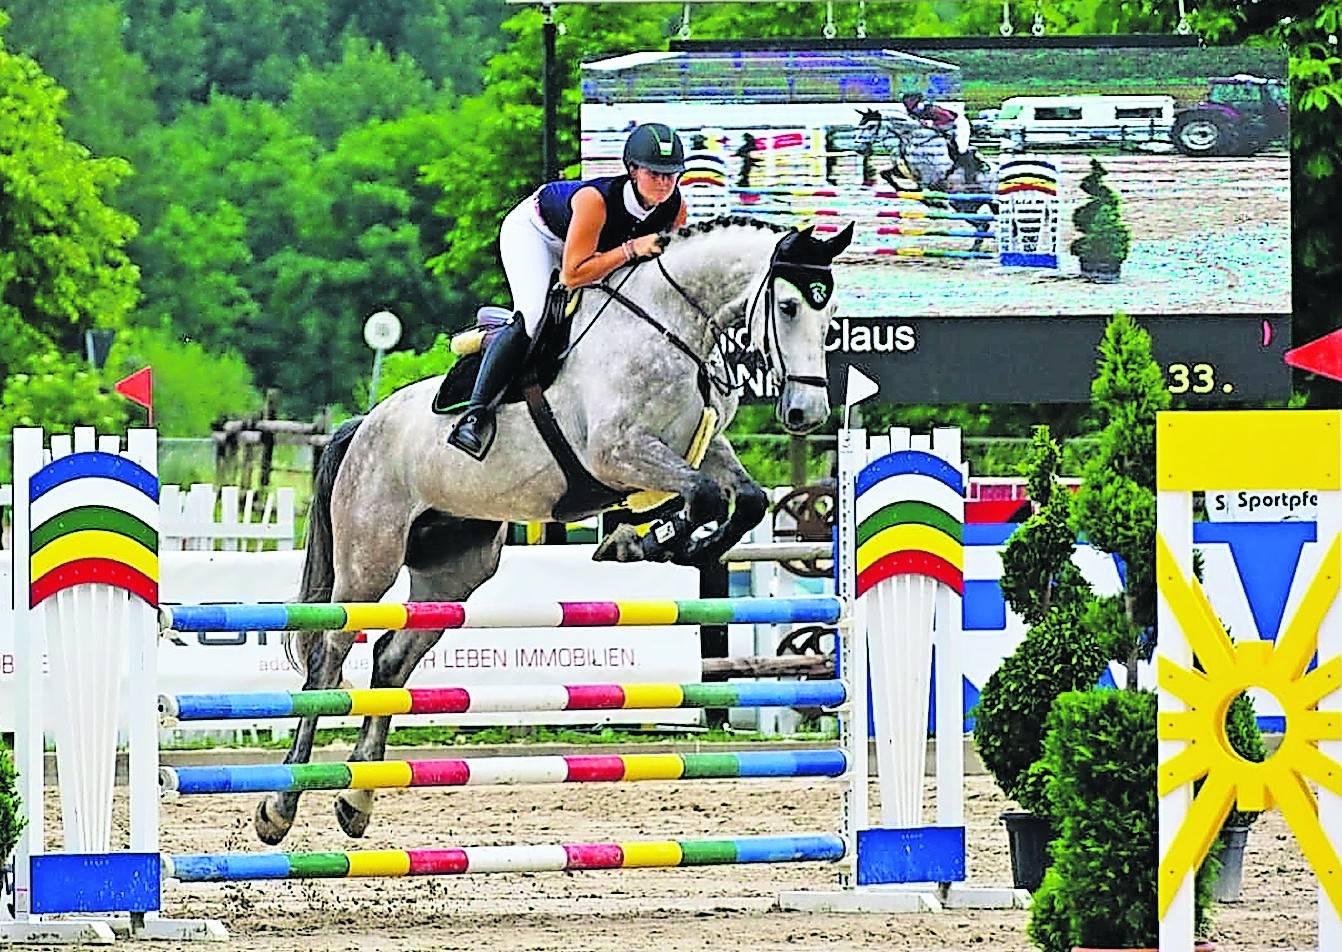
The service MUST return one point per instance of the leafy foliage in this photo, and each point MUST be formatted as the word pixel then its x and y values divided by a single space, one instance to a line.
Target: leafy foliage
pixel 193 388
pixel 12 820
pixel 403 367
pixel 56 392
pixel 1104 239
pixel 1116 506
pixel 1058 654
pixel 1037 569
pixel 63 267
pixel 1100 758
pixel 1059 651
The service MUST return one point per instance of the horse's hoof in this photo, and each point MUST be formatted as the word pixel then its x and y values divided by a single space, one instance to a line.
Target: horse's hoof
pixel 623 544
pixel 271 825
pixel 352 820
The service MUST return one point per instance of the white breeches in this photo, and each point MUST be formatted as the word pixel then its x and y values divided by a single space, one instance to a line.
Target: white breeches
pixel 962 133
pixel 530 253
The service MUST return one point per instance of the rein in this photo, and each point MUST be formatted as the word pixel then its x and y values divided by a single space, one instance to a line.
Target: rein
pixel 772 355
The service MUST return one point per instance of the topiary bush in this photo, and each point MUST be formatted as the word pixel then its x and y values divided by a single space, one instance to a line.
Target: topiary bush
pixel 1100 761
pixel 1057 655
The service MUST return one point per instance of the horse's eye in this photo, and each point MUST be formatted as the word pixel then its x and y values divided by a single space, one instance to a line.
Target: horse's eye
pixel 788 308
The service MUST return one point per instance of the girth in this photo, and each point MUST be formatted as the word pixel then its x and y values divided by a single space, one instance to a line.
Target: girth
pixel 584 494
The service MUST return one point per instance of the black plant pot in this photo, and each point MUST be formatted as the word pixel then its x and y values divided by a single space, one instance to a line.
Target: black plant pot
pixel 1101 272
pixel 1029 837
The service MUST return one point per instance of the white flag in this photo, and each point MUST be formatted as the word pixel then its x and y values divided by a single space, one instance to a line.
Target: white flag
pixel 859 387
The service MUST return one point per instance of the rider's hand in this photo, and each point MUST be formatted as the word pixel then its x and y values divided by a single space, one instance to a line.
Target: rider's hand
pixel 647 246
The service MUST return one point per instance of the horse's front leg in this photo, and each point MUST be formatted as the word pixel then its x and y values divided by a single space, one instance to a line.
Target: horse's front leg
pixel 642 461
pixel 750 503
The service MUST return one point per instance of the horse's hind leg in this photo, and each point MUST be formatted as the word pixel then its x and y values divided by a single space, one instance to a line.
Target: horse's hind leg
pixel 445 565
pixel 365 578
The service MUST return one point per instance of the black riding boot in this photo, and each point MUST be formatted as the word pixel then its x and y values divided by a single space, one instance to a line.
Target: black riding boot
pixel 474 432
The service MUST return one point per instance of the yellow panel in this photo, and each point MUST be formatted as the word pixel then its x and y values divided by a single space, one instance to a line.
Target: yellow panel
pixel 910 537
pixel 1248 449
pixel 94 544
pixel 651 854
pixel 648 613
pixel 653 767
pixel 370 703
pixel 358 617
pixel 378 775
pixel 647 697
pixel 379 863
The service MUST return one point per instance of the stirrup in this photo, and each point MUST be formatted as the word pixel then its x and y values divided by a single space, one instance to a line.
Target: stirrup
pixel 485 428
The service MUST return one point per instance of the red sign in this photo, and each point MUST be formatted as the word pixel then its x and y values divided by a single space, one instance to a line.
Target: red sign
pixel 1322 356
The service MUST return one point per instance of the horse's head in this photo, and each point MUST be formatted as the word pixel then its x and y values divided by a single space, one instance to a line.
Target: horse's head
pixel 799 302
pixel 868 127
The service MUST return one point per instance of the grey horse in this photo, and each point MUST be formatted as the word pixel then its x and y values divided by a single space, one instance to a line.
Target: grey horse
pixel 923 155
pixel 646 358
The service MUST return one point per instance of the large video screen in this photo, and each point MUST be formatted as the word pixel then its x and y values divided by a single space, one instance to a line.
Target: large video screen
pixel 1007 198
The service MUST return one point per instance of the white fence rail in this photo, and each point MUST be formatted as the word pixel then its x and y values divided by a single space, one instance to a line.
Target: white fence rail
pixel 208 518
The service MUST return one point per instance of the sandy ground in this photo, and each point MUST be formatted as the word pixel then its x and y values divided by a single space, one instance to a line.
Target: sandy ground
pixel 1208 236
pixel 726 907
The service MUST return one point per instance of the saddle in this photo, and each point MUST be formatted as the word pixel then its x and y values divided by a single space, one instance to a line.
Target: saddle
pixel 585 494
pixel 540 366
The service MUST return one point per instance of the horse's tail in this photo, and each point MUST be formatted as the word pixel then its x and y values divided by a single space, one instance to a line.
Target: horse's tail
pixel 319 551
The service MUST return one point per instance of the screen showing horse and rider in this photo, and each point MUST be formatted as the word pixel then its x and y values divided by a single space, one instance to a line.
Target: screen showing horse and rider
pixel 995 181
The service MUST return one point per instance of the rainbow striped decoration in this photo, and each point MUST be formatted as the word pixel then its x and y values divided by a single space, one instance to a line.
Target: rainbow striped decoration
pixel 427 616
pixel 228 867
pixel 910 520
pixel 486 771
pixel 492 699
pixel 113 543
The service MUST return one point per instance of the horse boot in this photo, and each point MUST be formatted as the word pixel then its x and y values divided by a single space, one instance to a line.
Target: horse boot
pixel 474 432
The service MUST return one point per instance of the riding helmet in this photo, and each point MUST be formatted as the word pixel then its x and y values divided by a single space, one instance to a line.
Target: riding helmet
pixel 656 147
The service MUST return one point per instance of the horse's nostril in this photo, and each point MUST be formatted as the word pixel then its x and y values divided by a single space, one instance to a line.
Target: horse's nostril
pixel 795 418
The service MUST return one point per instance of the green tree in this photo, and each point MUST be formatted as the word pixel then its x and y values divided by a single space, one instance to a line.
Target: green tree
pixel 449 39
pixel 82 46
pixel 12 820
pixel 56 392
pixel 195 265
pixel 193 388
pixel 63 267
pixel 1058 653
pixel 367 83
pixel 1308 29
pixel 1116 506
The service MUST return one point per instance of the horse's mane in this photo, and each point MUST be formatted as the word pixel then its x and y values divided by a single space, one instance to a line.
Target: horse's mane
pixel 727 221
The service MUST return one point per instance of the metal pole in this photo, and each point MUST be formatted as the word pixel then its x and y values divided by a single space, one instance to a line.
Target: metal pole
pixel 377 373
pixel 549 94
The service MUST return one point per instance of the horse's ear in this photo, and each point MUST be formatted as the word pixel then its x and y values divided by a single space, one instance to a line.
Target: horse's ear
pixel 833 247
pixel 807 232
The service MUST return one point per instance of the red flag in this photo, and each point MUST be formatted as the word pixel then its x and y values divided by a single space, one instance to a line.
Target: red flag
pixel 139 388
pixel 1322 356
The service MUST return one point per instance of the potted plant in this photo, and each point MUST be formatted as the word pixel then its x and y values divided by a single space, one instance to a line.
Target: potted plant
pixel 12 821
pixel 1041 584
pixel 1247 741
pixel 1104 239
pixel 1100 764
pixel 1098 772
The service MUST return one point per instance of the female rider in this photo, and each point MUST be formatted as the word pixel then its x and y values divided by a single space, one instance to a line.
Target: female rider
pixel 587 229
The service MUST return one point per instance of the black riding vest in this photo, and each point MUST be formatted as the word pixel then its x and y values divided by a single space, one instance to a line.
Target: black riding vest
pixel 556 207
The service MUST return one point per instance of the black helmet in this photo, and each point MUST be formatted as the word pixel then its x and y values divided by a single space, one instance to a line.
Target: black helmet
pixel 656 147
